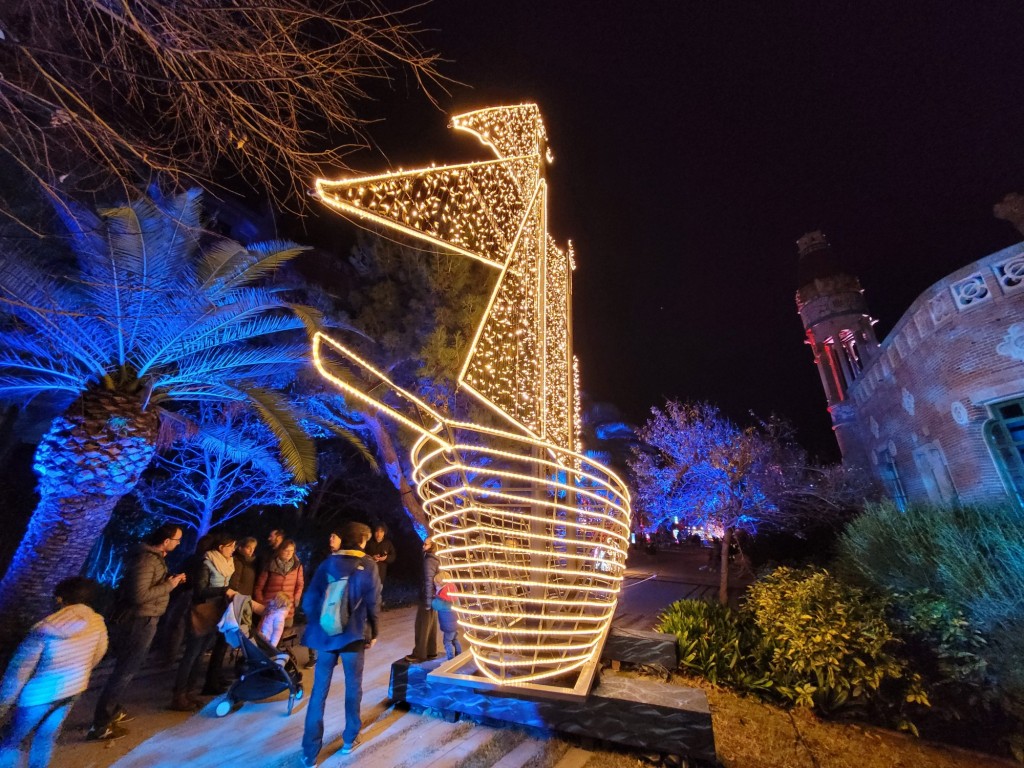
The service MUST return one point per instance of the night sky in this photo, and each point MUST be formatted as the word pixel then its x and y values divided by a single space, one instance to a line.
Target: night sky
pixel 695 141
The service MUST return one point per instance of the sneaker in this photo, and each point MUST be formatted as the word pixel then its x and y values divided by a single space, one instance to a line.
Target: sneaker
pixel 414 659
pixel 121 716
pixel 308 762
pixel 348 746
pixel 110 733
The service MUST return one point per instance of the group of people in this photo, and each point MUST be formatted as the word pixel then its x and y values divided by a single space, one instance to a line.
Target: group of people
pixel 52 666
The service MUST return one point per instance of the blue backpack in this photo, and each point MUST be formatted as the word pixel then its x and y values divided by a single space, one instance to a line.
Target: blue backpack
pixel 336 610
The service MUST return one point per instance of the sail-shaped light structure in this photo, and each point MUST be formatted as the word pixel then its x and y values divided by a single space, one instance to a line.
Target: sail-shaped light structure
pixel 532 532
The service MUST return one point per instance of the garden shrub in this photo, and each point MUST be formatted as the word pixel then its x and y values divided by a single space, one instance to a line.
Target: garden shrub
pixel 972 557
pixel 830 645
pixel 716 643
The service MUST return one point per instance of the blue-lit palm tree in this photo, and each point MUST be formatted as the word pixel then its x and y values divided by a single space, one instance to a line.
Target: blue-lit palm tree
pixel 153 313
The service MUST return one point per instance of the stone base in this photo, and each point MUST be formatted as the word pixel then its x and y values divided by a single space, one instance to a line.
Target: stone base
pixel 645 647
pixel 641 714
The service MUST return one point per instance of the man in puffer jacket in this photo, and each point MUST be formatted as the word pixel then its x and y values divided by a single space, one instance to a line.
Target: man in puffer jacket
pixel 48 672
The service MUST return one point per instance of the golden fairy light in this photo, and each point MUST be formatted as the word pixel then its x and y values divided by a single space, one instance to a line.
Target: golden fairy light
pixel 532 532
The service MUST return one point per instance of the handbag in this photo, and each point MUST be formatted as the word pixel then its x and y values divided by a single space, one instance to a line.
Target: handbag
pixel 204 616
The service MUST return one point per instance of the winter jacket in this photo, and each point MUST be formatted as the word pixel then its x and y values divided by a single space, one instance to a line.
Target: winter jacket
pixel 272 626
pixel 270 583
pixel 386 548
pixel 364 600
pixel 430 567
pixel 56 659
pixel 210 584
pixel 243 580
pixel 148 589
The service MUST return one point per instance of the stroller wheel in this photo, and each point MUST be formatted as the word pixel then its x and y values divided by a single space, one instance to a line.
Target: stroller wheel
pixel 223 707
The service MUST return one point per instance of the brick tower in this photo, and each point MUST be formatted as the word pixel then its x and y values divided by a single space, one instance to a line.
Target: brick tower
pixel 840 333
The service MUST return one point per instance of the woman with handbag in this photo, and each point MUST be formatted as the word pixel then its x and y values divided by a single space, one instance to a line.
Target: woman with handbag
pixel 210 598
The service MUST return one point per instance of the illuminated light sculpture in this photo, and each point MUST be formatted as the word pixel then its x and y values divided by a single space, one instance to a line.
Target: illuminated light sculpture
pixel 532 532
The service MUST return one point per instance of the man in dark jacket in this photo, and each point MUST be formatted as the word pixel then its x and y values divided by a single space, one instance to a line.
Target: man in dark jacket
pixel 360 633
pixel 426 619
pixel 381 550
pixel 145 592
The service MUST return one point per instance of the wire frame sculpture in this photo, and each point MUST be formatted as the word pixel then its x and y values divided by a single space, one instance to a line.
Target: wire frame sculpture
pixel 532 532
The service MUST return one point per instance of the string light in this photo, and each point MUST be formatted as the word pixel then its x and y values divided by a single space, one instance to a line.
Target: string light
pixel 532 532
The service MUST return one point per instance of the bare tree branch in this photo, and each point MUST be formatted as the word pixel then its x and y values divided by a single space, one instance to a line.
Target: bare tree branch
pixel 100 91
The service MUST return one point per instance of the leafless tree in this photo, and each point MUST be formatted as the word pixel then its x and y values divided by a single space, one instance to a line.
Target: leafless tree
pixel 195 91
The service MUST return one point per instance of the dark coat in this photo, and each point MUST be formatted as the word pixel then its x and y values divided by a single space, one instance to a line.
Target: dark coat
pixel 364 589
pixel 386 548
pixel 243 580
pixel 147 588
pixel 431 565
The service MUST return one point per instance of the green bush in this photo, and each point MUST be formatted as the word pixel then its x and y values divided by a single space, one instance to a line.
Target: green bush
pixel 830 645
pixel 971 557
pixel 716 643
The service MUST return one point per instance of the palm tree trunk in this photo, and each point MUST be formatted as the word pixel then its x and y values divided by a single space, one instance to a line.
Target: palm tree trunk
pixel 57 543
pixel 393 468
pixel 91 456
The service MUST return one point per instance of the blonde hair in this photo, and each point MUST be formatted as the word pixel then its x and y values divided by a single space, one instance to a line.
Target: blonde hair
pixel 279 602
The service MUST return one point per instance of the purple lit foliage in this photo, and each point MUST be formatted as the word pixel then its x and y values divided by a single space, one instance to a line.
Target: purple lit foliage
pixel 228 465
pixel 698 465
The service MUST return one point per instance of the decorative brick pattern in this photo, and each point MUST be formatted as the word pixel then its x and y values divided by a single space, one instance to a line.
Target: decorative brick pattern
pixel 1010 273
pixel 971 291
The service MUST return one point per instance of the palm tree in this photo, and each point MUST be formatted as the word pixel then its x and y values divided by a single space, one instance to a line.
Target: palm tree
pixel 154 313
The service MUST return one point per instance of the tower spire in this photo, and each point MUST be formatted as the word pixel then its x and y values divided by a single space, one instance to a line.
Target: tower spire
pixel 840 332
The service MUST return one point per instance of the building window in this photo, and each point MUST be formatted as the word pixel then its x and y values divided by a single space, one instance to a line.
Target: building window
pixel 938 483
pixel 1004 433
pixel 891 478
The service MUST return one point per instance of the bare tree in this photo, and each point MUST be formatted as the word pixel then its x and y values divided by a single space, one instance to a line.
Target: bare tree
pixel 94 91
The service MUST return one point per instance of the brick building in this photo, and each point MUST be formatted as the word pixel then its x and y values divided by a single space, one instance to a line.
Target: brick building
pixel 935 410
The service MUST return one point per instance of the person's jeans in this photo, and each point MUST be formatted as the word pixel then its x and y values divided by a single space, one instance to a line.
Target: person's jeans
pixel 133 647
pixel 42 722
pixel 326 661
pixel 191 667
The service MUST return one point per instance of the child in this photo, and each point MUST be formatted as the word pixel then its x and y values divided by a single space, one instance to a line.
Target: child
pixel 49 671
pixel 274 618
pixel 442 604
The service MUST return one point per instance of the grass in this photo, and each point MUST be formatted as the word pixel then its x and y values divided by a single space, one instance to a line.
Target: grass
pixel 752 734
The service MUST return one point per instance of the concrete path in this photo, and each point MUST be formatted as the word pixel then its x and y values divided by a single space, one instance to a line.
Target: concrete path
pixel 261 735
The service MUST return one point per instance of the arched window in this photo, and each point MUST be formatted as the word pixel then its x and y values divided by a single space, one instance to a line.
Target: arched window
pixel 1004 433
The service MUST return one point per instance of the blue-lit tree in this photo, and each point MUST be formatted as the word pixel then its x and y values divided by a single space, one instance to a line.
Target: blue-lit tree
pixel 152 313
pixel 698 465
pixel 229 464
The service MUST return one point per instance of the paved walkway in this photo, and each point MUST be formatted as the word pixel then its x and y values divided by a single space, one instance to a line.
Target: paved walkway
pixel 261 735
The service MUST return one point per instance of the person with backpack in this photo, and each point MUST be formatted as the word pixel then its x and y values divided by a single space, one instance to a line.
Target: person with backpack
pixel 342 604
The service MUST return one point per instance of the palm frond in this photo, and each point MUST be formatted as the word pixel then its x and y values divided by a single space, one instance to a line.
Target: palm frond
pixel 174 339
pixel 230 329
pixel 298 451
pixel 354 440
pixel 30 295
pixel 224 440
pixel 234 362
pixel 244 266
pixel 170 236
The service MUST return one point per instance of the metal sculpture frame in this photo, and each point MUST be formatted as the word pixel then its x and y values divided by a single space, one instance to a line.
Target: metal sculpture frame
pixel 531 531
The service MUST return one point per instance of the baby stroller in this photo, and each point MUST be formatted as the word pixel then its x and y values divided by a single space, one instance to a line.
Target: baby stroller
pixel 264 670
